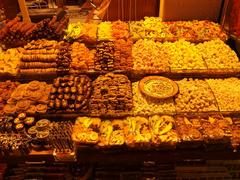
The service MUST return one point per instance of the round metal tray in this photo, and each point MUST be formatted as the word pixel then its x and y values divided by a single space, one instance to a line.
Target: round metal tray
pixel 142 84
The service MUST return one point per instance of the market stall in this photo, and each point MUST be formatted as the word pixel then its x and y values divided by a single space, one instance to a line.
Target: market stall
pixel 138 91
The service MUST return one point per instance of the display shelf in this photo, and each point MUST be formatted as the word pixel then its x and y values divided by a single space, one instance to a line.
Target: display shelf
pixel 122 156
pixel 143 156
pixel 73 116
pixel 132 74
pixel 33 156
pixel 143 151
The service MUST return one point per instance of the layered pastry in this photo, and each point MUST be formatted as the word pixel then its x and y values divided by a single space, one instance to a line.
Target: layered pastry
pixel 60 137
pixel 39 57
pixel 31 98
pixel 112 94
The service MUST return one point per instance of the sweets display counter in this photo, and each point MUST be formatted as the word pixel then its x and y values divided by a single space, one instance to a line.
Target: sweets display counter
pixel 74 93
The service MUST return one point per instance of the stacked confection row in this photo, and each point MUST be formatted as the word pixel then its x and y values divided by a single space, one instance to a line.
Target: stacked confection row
pixel 115 94
pixel 111 46
pixel 50 56
pixel 158 131
pixel 15 30
pixel 23 133
pixel 149 28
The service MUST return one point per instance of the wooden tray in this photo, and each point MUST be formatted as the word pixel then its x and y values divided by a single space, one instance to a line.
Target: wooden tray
pixel 143 82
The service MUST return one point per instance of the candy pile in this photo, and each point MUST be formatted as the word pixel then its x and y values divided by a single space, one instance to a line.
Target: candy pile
pixel 195 96
pixel 105 31
pixel 146 106
pixel 120 30
pixel 104 59
pixel 150 28
pixel 112 94
pixel 18 123
pixel 63 58
pixel 193 31
pixel 189 130
pixel 14 143
pixel 50 28
pixel 10 60
pixel 183 55
pixel 132 131
pixel 226 92
pixel 85 130
pixel 218 55
pixel 147 56
pixel 81 31
pixel 161 131
pixel 196 31
pixel 82 57
pixel 70 94
pixel 123 54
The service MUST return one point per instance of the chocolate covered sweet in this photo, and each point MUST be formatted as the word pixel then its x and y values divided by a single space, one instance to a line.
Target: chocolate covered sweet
pixel 70 94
